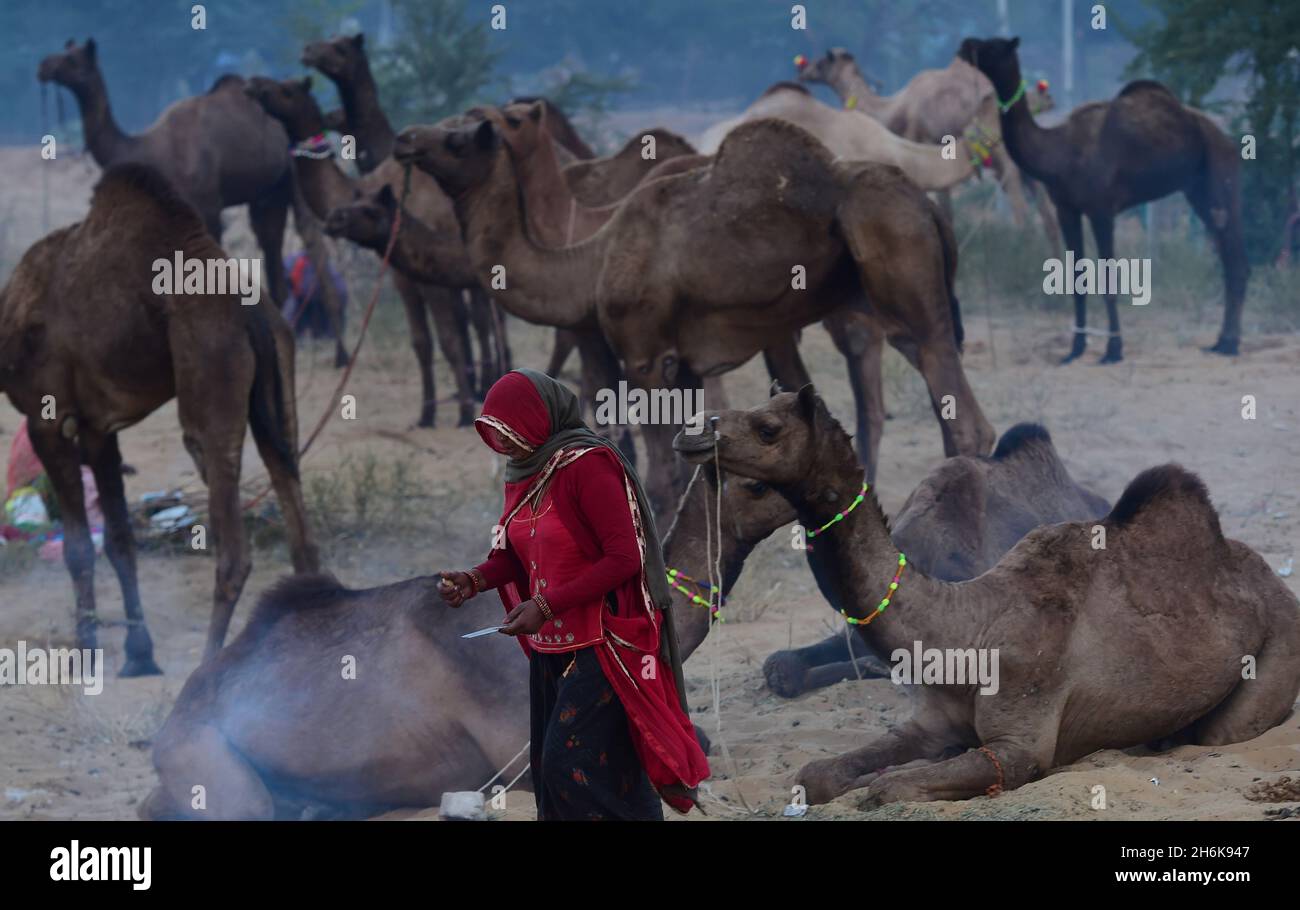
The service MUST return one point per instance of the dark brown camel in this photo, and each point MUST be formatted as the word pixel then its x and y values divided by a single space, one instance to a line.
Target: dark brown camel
pixel 325 186
pixel 1098 648
pixel 1110 156
pixel 693 274
pixel 959 521
pixel 82 331
pixel 217 149
pixel 443 714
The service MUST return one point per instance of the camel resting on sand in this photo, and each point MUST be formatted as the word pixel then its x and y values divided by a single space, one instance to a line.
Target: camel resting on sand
pixel 82 322
pixel 956 524
pixel 1170 630
pixel 426 712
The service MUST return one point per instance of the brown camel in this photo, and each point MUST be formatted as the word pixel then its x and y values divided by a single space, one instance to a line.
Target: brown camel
pixel 781 235
pixel 605 181
pixel 87 349
pixel 325 187
pixel 955 101
pixel 1148 637
pixel 959 521
pixel 1110 156
pixel 217 149
pixel 444 714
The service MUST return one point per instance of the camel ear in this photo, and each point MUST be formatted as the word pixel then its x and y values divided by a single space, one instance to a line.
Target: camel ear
pixel 359 40
pixel 775 389
pixel 386 197
pixel 535 111
pixel 90 48
pixel 1015 42
pixel 306 83
pixel 485 137
pixel 811 406
pixel 70 44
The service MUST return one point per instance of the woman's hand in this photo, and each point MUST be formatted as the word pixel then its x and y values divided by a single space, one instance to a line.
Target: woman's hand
pixel 524 619
pixel 456 587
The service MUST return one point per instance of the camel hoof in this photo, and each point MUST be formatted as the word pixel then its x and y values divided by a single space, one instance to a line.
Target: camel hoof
pixel 340 359
pixel 140 666
pixel 426 420
pixel 1111 358
pixel 466 417
pixel 1228 347
pixel 785 674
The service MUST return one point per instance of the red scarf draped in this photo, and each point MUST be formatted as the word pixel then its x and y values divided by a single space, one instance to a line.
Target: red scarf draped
pixel 661 731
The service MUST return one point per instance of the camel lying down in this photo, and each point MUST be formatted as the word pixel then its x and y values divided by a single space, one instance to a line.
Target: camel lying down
pixel 956 524
pixel 1170 630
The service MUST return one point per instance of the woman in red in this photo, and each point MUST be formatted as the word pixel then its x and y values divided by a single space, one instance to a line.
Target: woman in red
pixel 576 561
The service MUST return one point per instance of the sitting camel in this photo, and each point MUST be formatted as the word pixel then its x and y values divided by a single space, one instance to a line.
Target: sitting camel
pixel 425 712
pixel 955 525
pixel 697 272
pixel 1166 629
pixel 82 330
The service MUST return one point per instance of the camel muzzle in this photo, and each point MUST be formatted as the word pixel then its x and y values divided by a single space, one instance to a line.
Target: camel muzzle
pixel 697 448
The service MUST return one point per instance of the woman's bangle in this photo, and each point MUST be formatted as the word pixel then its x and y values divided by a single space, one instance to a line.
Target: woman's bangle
pixel 543 606
pixel 476 578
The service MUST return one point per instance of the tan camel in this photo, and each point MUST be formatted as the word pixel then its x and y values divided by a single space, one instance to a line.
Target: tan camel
pixel 325 187
pixel 955 101
pixel 445 713
pixel 1148 637
pixel 1110 156
pixel 217 149
pixel 781 236
pixel 853 137
pixel 958 522
pixel 83 331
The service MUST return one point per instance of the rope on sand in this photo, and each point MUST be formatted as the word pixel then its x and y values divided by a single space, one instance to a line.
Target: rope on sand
pixel 495 777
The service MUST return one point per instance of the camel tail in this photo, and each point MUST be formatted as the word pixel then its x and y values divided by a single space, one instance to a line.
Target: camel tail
pixel 267 411
pixel 949 242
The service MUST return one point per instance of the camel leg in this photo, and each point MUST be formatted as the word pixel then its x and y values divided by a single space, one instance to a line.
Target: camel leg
pixel 1071 222
pixel 119 545
pixel 1258 704
pixel 479 307
pixel 450 325
pixel 601 370
pixel 318 253
pixel 1047 215
pixel 970 774
pixel 785 365
pixel 792 673
pixel 1103 232
pixel 417 322
pixel 968 432
pixel 62 463
pixel 827 778
pixel 504 358
pixel 267 217
pixel 202 757
pixel 565 342
pixel 1010 179
pixel 1218 206
pixel 863 351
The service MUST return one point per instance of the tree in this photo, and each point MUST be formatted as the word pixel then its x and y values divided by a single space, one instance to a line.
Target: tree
pixel 1194 45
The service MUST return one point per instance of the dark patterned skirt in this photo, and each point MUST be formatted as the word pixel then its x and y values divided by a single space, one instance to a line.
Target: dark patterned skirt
pixel 584 766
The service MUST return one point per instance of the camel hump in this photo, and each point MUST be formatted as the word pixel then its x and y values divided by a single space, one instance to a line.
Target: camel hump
pixel 1022 439
pixel 1138 86
pixel 1169 496
pixel 766 140
pixel 227 80
pixel 786 86
pixel 134 183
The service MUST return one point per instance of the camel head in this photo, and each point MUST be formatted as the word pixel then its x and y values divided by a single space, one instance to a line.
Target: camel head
pixel 459 153
pixel 76 68
pixel 997 59
pixel 367 221
pixel 523 128
pixel 290 102
pixel 826 68
pixel 791 443
pixel 336 119
pixel 339 58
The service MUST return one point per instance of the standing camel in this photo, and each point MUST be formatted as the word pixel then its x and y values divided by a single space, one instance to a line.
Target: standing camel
pixel 216 149
pixel 958 522
pixel 1098 648
pixel 325 186
pixel 1110 156
pixel 697 272
pixel 82 331
pixel 955 101
pixel 605 181
pixel 445 714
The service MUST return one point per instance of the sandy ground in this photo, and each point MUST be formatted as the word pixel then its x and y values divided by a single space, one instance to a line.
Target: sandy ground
pixel 65 755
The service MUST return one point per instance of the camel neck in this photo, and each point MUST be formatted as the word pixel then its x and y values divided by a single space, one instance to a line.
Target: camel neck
pixel 550 208
pixel 373 131
pixel 543 286
pixel 855 559
pixel 324 185
pixel 1028 144
pixel 106 141
pixel 687 548
pixel 856 94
